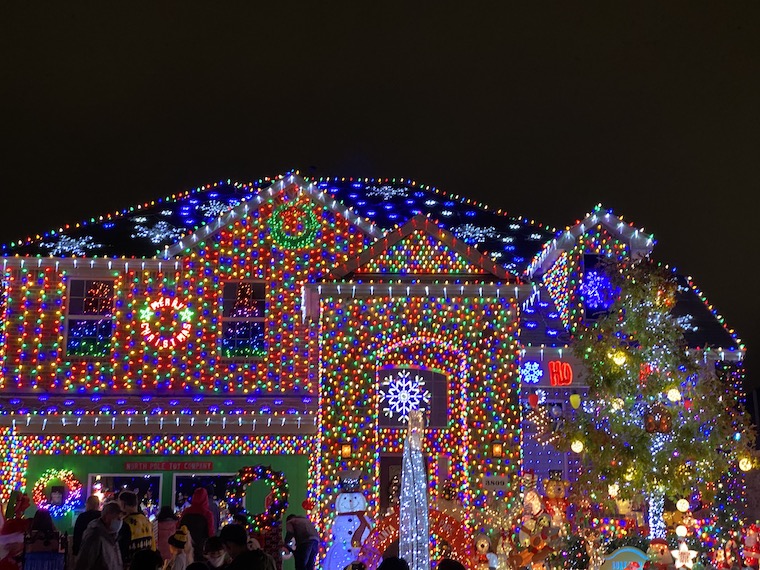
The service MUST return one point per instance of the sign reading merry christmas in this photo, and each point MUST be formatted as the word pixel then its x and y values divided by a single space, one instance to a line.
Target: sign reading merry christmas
pixel 165 322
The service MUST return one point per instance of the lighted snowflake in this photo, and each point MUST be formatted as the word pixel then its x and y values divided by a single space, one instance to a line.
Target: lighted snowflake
pixel 387 192
pixel 686 322
pixel 403 394
pixel 140 219
pixel 597 290
pixel 535 236
pixel 430 202
pixel 514 226
pixel 496 255
pixel 531 372
pixel 67 245
pixel 166 212
pixel 213 208
pixel 447 213
pixel 470 233
pixel 161 232
pixel 508 239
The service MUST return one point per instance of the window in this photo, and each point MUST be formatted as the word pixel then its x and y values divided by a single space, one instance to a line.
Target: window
pixel 597 291
pixel 90 318
pixel 243 305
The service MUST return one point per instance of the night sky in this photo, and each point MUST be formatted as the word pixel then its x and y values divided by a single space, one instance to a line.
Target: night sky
pixel 542 109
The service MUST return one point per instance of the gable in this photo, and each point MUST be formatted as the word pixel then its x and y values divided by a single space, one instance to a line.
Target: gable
pixel 420 247
pixel 600 230
pixel 419 253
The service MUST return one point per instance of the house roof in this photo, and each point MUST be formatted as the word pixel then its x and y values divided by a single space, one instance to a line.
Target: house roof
pixel 151 229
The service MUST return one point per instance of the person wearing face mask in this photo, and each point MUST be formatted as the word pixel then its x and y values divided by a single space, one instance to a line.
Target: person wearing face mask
pixel 100 547
pixel 214 553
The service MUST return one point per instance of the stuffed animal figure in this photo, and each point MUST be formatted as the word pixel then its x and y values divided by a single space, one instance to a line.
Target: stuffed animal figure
pixel 484 558
pixel 555 500
pixel 659 554
pixel 751 548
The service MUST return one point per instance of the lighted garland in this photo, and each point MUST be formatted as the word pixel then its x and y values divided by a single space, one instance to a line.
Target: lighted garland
pixel 293 226
pixel 72 500
pixel 247 475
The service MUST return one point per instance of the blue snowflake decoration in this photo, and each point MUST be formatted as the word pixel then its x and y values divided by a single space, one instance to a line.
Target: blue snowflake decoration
pixel 67 245
pixel 597 291
pixel 213 208
pixel 403 394
pixel 161 232
pixel 531 372
pixel 470 233
pixel 387 192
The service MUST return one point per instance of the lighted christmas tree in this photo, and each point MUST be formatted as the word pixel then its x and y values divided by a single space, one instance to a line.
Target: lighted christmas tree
pixel 657 422
pixel 414 534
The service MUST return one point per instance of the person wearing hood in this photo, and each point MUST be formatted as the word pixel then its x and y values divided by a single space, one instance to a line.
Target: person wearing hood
pixel 100 547
pixel 199 521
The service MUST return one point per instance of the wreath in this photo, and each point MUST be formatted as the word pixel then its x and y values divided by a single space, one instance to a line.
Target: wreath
pixel 72 498
pixel 236 495
pixel 293 226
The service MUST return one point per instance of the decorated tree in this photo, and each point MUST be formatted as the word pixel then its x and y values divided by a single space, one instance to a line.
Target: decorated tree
pixel 657 421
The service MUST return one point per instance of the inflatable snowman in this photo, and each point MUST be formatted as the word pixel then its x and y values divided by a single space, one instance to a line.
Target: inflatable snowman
pixel 351 526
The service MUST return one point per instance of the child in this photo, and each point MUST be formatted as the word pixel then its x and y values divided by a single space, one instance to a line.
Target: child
pixel 181 547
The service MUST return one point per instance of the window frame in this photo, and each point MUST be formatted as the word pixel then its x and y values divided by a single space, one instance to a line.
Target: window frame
pixel 88 317
pixel 230 319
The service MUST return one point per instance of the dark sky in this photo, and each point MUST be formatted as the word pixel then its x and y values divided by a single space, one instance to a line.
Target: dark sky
pixel 543 109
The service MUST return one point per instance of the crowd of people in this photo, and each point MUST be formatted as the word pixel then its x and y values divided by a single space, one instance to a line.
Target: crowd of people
pixel 117 535
pixel 121 537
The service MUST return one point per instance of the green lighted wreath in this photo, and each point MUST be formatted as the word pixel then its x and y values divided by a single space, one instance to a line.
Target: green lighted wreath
pixel 293 226
pixel 236 495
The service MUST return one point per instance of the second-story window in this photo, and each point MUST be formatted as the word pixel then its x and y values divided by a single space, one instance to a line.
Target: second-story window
pixel 243 305
pixel 89 325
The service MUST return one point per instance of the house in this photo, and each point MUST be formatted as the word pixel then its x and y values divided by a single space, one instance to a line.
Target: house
pixel 294 323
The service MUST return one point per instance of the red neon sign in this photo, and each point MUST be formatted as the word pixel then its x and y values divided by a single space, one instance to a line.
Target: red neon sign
pixel 560 373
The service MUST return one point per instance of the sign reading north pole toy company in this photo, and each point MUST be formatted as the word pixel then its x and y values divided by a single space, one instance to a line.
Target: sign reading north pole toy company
pixel 168 465
pixel 165 322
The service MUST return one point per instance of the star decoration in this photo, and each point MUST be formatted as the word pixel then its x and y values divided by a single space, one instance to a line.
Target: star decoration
pixel 683 556
pixel 186 314
pixel 146 313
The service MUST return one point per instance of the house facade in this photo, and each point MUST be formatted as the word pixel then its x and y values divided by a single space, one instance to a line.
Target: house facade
pixel 294 323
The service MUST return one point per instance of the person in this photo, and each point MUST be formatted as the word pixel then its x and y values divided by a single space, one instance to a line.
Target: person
pixel 43 543
pixel 393 563
pixel 166 525
pixel 307 540
pixel 137 531
pixel 92 512
pixel 213 506
pixel 181 546
pixel 214 553
pixel 42 522
pixel 235 540
pixel 199 520
pixel 100 541
pixel 146 559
